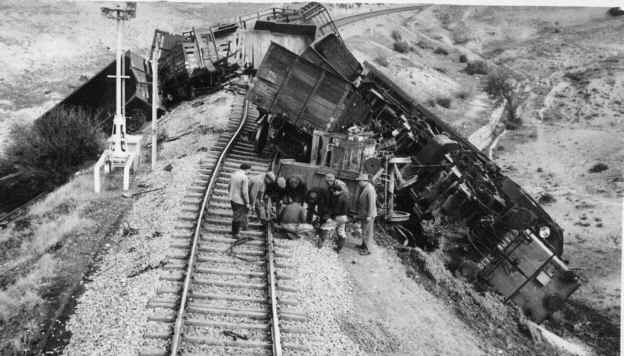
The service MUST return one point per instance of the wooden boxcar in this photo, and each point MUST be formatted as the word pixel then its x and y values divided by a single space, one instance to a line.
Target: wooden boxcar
pixel 305 94
pixel 182 68
pixel 98 93
pixel 297 97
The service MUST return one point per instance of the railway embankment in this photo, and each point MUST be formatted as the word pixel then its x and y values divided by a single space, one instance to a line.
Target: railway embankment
pixel 65 240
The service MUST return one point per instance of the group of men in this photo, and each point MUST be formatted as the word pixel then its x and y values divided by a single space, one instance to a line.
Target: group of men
pixel 296 211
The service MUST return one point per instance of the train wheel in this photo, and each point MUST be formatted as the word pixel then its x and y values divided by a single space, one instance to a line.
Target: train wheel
pixel 556 243
pixel 191 92
pixel 262 133
pixel 135 121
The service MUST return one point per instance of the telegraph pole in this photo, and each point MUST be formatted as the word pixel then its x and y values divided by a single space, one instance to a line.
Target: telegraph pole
pixel 155 101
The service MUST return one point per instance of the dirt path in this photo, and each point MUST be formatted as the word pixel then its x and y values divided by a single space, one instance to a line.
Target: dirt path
pixel 393 315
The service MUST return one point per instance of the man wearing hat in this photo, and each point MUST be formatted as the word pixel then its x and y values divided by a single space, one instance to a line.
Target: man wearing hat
pixel 239 198
pixel 366 210
pixel 257 194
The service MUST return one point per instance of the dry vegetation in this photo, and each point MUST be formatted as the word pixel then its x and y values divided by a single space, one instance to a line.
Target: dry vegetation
pixel 45 254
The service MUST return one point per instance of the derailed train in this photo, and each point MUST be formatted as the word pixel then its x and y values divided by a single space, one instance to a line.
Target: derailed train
pixel 310 90
pixel 201 59
pixel 325 89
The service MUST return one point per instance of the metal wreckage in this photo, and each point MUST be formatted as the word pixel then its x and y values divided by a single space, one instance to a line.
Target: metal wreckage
pixel 323 111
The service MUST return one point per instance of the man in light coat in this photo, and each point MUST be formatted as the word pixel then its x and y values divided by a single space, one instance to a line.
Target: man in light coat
pixel 239 198
pixel 257 194
pixel 366 210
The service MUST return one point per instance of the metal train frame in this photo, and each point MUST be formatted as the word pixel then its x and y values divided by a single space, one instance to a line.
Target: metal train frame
pixel 435 171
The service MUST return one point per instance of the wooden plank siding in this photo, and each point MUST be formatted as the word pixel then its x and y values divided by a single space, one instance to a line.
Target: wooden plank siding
pixel 310 96
pixel 334 51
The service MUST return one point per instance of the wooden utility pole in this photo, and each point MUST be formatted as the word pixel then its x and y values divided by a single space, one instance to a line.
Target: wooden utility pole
pixel 155 106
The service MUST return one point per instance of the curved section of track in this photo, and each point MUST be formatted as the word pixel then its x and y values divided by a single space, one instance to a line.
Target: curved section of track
pixel 220 295
pixel 364 16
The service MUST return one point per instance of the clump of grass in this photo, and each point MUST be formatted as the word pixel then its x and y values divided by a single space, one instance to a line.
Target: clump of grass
pixel 396 35
pixel 441 51
pixel 444 102
pixel 463 58
pixel 477 67
pixel 401 46
pixel 382 61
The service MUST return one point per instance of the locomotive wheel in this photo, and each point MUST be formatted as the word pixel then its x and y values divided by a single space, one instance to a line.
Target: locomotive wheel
pixel 262 133
pixel 135 120
pixel 191 92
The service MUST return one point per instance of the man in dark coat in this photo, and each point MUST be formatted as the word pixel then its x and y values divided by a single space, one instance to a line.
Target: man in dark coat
pixel 339 208
pixel 295 190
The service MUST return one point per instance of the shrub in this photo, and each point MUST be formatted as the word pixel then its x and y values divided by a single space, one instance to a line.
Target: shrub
pixel 440 50
pixel 444 102
pixel 463 58
pixel 424 45
pixel 396 35
pixel 401 46
pixel 382 61
pixel 55 145
pixel 615 11
pixel 477 67
pixel 500 85
pixel 462 95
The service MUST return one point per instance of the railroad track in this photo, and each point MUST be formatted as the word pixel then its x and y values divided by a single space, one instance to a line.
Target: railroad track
pixel 366 15
pixel 217 297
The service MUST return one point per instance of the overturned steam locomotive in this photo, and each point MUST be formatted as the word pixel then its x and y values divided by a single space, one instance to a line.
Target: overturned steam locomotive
pixel 427 169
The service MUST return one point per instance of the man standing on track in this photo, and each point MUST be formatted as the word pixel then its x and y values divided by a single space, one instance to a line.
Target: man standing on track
pixel 366 209
pixel 257 194
pixel 239 198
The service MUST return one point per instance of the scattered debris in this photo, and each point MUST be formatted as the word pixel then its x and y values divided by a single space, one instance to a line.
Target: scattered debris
pixel 147 268
pixel 197 104
pixel 127 230
pixel 546 198
pixel 235 335
pixel 168 167
pixel 131 195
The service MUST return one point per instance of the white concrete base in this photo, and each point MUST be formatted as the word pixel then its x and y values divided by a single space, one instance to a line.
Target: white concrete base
pixel 128 160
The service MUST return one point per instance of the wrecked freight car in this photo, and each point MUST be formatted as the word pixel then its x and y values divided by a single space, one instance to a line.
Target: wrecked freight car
pixel 97 94
pixel 330 114
pixel 200 60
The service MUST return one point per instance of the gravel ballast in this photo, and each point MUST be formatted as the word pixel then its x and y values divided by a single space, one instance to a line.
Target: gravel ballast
pixel 111 316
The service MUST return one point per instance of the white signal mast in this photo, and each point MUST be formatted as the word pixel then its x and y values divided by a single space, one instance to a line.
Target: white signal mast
pixel 123 150
pixel 118 144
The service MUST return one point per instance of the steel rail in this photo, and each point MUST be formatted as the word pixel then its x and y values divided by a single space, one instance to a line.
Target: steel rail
pixel 342 21
pixel 275 331
pixel 177 332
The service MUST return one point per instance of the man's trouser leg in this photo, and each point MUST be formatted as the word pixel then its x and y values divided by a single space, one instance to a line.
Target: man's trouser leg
pixel 341 233
pixel 238 218
pixel 368 229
